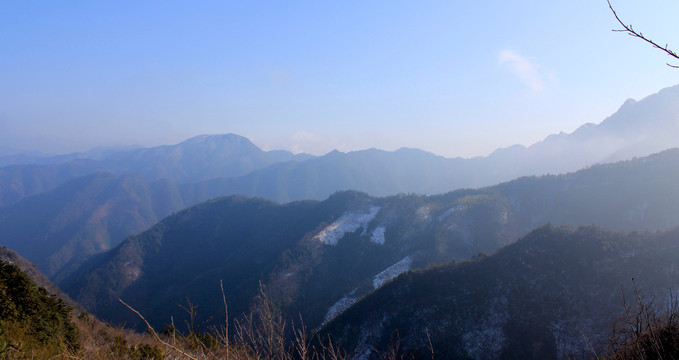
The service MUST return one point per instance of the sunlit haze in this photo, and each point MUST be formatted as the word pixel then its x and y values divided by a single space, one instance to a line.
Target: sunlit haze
pixel 453 78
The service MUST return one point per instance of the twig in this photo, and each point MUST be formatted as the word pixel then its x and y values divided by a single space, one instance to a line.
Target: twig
pixel 174 331
pixel 589 345
pixel 630 31
pixel 431 346
pixel 226 321
pixel 153 332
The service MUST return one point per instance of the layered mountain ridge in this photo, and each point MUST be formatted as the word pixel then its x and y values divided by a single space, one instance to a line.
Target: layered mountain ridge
pixel 230 164
pixel 196 159
pixel 297 249
pixel 358 261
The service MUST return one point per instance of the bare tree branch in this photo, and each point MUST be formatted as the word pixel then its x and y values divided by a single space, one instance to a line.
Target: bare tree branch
pixel 630 31
pixel 153 332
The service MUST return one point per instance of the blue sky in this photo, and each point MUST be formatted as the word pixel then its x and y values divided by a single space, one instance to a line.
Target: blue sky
pixel 455 78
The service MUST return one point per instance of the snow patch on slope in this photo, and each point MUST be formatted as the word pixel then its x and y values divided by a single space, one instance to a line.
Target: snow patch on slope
pixel 453 209
pixel 424 212
pixel 349 222
pixel 339 307
pixel 378 235
pixel 393 271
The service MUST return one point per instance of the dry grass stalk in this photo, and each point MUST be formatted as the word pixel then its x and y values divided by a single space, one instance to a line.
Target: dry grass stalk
pixel 153 332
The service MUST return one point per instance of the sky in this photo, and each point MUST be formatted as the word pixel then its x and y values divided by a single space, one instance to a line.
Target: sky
pixel 457 78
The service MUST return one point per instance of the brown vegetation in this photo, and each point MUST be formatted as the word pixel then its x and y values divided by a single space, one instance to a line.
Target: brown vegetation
pixel 645 332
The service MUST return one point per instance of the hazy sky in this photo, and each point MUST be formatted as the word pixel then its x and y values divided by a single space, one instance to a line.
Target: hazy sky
pixel 458 78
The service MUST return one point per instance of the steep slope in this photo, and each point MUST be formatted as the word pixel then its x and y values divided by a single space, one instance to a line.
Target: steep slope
pixel 32 271
pixel 234 239
pixel 635 195
pixel 356 242
pixel 551 295
pixel 58 229
pixel 295 249
pixel 33 324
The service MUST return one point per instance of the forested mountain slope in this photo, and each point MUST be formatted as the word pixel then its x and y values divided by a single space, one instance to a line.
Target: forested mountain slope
pixel 32 271
pixel 357 242
pixel 555 294
pixel 33 323
pixel 53 216
pixel 59 229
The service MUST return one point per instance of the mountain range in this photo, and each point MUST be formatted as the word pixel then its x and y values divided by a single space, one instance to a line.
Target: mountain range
pixel 357 244
pixel 230 164
pixel 80 216
pixel 354 241
pixel 196 159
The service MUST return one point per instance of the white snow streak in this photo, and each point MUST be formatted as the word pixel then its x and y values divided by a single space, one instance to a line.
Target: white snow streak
pixel 339 307
pixel 378 235
pixel 393 271
pixel 349 222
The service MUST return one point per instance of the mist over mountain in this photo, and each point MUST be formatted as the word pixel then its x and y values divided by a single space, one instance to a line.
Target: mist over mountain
pixel 377 172
pixel 75 216
pixel 15 157
pixel 20 181
pixel 554 294
pixel 63 238
pixel 354 241
pixel 638 128
pixel 216 165
pixel 59 229
pixel 196 159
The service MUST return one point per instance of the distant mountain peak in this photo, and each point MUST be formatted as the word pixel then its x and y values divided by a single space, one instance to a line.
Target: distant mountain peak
pixel 512 149
pixel 406 149
pixel 628 102
pixel 229 137
pixel 637 128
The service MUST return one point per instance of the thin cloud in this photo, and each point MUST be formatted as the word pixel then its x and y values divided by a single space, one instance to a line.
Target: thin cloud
pixel 526 70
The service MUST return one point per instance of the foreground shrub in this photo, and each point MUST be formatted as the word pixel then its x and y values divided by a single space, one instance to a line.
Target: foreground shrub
pixel 645 332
